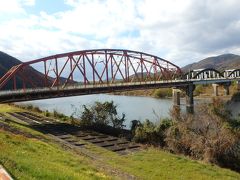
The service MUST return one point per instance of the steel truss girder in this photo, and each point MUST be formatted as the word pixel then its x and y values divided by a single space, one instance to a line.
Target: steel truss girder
pixel 97 66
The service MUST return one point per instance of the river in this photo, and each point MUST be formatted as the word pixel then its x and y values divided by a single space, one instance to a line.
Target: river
pixel 139 108
pixel 135 107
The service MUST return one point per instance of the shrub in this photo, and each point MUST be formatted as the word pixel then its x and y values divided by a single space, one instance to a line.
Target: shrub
pixel 60 116
pixel 46 113
pixel 163 93
pixel 236 97
pixel 151 133
pixel 29 106
pixel 208 135
pixel 218 108
pixel 101 113
pixel 198 90
pixel 134 125
pixel 37 109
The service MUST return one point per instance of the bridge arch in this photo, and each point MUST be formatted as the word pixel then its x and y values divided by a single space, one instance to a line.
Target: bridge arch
pixel 95 66
pixel 203 73
pixel 234 73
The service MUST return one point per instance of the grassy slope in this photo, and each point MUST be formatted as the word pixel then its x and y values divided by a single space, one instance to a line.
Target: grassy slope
pixel 31 158
pixel 28 158
pixel 7 108
pixel 154 163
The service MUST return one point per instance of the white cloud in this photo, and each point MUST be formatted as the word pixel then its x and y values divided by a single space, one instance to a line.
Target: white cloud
pixel 27 2
pixel 179 30
pixel 10 6
pixel 14 6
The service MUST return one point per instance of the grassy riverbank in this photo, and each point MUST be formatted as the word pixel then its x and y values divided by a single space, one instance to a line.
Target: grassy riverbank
pixel 28 154
pixel 30 158
pixel 36 156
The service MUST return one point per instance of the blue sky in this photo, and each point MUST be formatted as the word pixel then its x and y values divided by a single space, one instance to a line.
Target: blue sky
pixel 49 6
pixel 182 31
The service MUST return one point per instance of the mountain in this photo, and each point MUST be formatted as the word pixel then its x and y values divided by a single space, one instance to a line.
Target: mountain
pixel 222 62
pixel 7 61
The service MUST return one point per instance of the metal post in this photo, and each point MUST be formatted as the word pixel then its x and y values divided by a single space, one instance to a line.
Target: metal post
pixel 106 66
pixel 84 71
pixel 111 67
pixel 141 60
pixel 93 68
pixel 56 66
pixel 71 67
pixel 14 82
pixel 46 73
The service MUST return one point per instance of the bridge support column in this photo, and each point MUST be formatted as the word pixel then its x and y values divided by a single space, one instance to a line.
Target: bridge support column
pixel 226 88
pixel 215 89
pixel 189 98
pixel 238 85
pixel 176 103
pixel 176 97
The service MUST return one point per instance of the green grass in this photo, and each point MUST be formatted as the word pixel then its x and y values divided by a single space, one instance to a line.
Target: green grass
pixel 154 163
pixel 8 108
pixel 28 158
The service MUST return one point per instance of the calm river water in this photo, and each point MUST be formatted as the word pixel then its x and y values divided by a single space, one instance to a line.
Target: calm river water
pixel 135 108
pixel 139 108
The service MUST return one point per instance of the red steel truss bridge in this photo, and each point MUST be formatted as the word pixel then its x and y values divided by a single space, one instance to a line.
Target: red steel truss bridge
pixel 96 71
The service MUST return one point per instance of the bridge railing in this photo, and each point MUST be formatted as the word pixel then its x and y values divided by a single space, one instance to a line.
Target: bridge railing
pixel 211 73
pixel 169 83
pixel 90 86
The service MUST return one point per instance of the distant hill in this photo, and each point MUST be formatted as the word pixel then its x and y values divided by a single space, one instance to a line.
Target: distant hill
pixel 7 61
pixel 222 62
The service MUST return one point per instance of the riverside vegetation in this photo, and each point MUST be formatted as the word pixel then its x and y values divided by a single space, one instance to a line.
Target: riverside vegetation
pixel 211 135
pixel 33 155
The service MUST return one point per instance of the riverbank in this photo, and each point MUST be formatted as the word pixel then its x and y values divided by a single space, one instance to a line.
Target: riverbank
pixel 33 154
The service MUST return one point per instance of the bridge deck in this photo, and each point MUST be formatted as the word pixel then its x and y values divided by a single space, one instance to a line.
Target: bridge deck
pixel 76 90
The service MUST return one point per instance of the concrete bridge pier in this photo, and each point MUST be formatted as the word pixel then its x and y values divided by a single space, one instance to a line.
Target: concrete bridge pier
pixel 215 89
pixel 189 98
pixel 176 103
pixel 176 97
pixel 226 88
pixel 238 85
